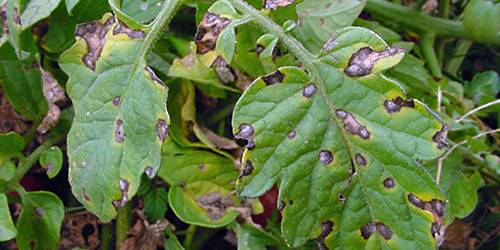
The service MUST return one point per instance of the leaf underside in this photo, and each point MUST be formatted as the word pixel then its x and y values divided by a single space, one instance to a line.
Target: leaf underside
pixel 120 115
pixel 342 149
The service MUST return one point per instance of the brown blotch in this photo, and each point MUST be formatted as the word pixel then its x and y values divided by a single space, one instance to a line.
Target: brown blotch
pixel 94 35
pixel 209 30
pixel 39 212
pixel 416 201
pixel 360 160
pixel 122 28
pixel 363 60
pixel 273 78
pixel 292 134
pixel 201 167
pixel 438 207
pixel 274 4
pixel 352 125
pixel 215 204
pixel 326 229
pixel 123 185
pixel 395 105
pixel 162 129
pixel 119 132
pixel 223 71
pixel 86 196
pixel 247 170
pixel 440 137
pixel 389 183
pixel 435 229
pixel 368 229
pixel 116 101
pixel 384 230
pixel 309 90
pixel 149 171
pixel 245 136
pixel 325 156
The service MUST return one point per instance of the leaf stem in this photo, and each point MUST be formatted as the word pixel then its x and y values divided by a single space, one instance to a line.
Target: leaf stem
pixel 489 104
pixel 123 222
pixel 417 21
pixel 427 45
pixel 188 242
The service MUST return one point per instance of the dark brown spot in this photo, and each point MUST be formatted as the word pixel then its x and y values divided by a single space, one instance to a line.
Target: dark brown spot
pixel 86 196
pixel 201 167
pixel 360 160
pixel 434 229
pixel 309 90
pixel 215 204
pixel 325 156
pixel 181 184
pixel 247 170
pixel 395 105
pixel 119 132
pixel 122 28
pixel 290 202
pixel 368 229
pixel 389 183
pixel 149 171
pixel 352 125
pixel 94 35
pixel 153 76
pixel 39 212
pixel 274 4
pixel 330 44
pixel 384 230
pixel 273 78
pixel 116 101
pixel 259 48
pixel 292 134
pixel 440 137
pixel 281 206
pixel 223 71
pixel 341 197
pixel 162 129
pixel 363 60
pixel 326 229
pixel 123 185
pixel 208 32
pixel 245 136
pixel 416 201
pixel 438 207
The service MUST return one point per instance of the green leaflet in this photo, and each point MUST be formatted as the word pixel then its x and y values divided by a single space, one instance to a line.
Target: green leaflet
pixel 252 238
pixel 140 10
pixel 120 115
pixel 482 19
pixel 37 10
pixel 343 149
pixel 52 160
pixel 7 228
pixel 39 223
pixel 319 19
pixel 199 180
pixel 10 143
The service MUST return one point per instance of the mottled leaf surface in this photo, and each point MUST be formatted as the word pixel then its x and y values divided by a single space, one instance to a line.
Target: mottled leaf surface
pixel 200 185
pixel 120 115
pixel 342 149
pixel 319 19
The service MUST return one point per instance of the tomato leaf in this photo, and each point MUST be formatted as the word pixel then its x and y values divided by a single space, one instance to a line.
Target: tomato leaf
pixel 10 143
pixel 343 147
pixel 7 228
pixel 52 160
pixel 120 115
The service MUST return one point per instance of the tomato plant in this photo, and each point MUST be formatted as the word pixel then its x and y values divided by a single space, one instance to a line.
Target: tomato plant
pixel 249 124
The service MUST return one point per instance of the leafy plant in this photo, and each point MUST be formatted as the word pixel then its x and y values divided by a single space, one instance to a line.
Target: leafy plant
pixel 311 124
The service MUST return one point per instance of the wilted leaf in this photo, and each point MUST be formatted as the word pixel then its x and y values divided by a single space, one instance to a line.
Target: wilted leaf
pixel 120 115
pixel 200 185
pixel 319 19
pixel 7 228
pixel 40 221
pixel 343 147
pixel 52 160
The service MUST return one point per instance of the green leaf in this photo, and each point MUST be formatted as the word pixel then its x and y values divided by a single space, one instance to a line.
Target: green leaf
pixel 7 172
pixel 37 10
pixel 200 185
pixel 485 84
pixel 482 19
pixel 319 19
pixel 252 238
pixel 7 228
pixel 21 81
pixel 52 160
pixel 11 143
pixel 171 242
pixel 120 115
pixel 70 5
pixel 39 223
pixel 155 204
pixel 343 149
pixel 143 11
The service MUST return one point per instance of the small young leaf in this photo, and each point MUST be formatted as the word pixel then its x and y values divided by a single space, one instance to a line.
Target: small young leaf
pixel 7 228
pixel 52 160
pixel 200 184
pixel 39 223
pixel 120 115
pixel 155 204
pixel 7 171
pixel 11 143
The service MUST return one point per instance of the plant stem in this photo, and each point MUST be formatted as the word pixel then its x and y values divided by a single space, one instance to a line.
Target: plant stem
pixel 123 222
pixel 106 236
pixel 489 104
pixel 457 57
pixel 188 241
pixel 427 45
pixel 417 21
